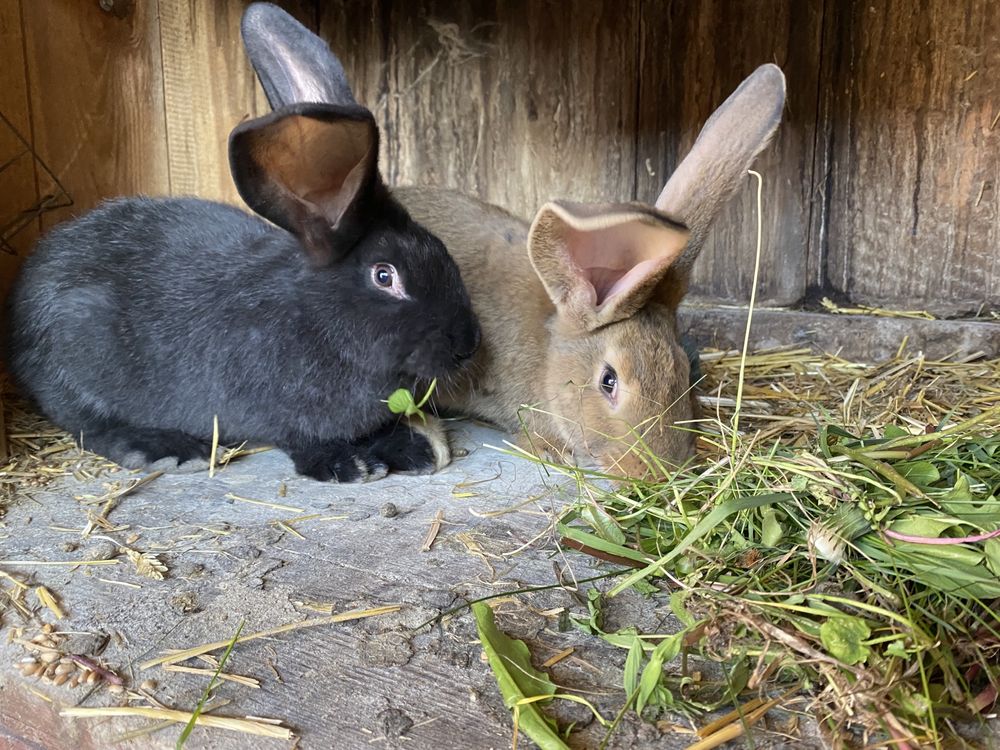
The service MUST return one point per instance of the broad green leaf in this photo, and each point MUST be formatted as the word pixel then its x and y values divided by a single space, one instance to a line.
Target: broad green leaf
pixel 665 651
pixel 624 638
pixel 648 682
pixel 632 664
pixel 926 526
pixel 401 402
pixel 603 524
pixel 891 431
pixel 771 531
pixel 843 637
pixel 517 679
pixel 677 607
pixel 897 649
pixel 739 676
pixel 922 473
pixel 591 623
pixel 991 547
pixel 602 545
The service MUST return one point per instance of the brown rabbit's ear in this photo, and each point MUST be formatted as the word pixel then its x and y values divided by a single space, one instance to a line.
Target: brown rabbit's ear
pixel 717 164
pixel 600 262
pixel 310 169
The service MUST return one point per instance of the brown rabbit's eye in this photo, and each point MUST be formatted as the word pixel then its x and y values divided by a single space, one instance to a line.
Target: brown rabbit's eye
pixel 609 383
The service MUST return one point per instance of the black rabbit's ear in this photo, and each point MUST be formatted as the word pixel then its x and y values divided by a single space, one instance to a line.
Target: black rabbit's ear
pixel 293 64
pixel 311 169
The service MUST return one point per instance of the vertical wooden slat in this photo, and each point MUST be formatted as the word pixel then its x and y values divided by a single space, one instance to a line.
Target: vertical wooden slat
pixel 915 182
pixel 18 185
pixel 694 54
pixel 516 102
pixel 97 98
pixel 209 87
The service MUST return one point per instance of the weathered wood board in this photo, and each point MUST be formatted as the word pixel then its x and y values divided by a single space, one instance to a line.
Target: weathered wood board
pixel 693 55
pixel 509 101
pixel 18 181
pixel 883 184
pixel 379 682
pixel 913 129
pixel 858 338
pixel 96 89
pixel 208 87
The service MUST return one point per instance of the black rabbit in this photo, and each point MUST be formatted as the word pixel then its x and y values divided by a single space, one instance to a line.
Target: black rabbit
pixel 136 323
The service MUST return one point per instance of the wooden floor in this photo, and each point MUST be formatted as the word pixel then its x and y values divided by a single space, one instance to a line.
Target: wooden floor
pixel 380 682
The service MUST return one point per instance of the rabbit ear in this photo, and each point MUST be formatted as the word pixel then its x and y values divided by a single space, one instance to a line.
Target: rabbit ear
pixel 293 64
pixel 311 169
pixel 600 263
pixel 717 164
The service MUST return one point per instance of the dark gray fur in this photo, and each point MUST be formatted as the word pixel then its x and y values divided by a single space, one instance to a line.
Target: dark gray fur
pixel 136 323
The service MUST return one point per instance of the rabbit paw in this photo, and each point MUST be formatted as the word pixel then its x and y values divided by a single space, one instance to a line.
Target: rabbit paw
pixel 150 449
pixel 339 461
pixel 413 446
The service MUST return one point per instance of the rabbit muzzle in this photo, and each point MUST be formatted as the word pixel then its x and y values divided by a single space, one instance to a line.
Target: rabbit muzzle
pixel 443 348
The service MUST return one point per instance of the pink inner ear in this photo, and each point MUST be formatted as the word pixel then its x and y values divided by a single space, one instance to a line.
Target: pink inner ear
pixel 615 260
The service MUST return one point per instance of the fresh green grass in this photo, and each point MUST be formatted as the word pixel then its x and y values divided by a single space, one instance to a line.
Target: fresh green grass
pixel 861 567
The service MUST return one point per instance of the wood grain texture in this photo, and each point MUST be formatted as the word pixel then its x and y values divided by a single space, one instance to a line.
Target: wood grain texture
pixel 693 55
pixel 97 99
pixel 209 87
pixel 503 100
pixel 18 183
pixel 914 215
pixel 857 338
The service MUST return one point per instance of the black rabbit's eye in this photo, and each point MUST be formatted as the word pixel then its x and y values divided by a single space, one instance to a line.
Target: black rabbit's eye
pixel 609 383
pixel 386 278
pixel 383 274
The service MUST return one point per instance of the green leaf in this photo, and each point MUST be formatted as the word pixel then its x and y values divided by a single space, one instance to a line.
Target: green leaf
pixel 189 727
pixel 632 663
pixel 739 676
pixel 992 549
pixel 665 651
pixel 647 684
pixel 921 473
pixel 891 431
pixel 771 531
pixel 677 599
pixel 603 524
pixel 897 649
pixel 595 542
pixel 708 522
pixel 669 647
pixel 401 402
pixel 843 637
pixel 517 679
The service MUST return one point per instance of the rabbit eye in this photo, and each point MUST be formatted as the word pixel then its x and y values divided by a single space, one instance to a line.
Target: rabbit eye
pixel 609 384
pixel 386 278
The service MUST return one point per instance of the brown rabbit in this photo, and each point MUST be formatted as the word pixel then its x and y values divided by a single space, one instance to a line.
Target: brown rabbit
pixel 578 310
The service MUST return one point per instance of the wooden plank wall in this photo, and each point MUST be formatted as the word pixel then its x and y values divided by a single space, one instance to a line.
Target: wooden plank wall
pixel 122 97
pixel 881 186
pixel 507 100
pixel 912 117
